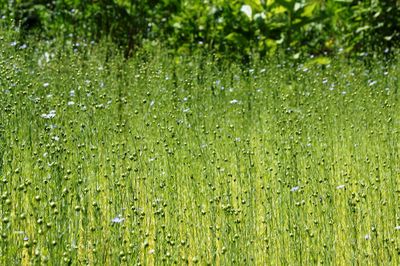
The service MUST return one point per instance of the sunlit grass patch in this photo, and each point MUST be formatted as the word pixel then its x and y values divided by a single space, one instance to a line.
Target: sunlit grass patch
pixel 150 162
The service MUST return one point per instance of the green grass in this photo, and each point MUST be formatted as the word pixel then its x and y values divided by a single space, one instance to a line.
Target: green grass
pixel 150 161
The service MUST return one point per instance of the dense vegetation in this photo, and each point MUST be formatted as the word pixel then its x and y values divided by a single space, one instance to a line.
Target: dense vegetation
pixel 129 136
pixel 228 28
pixel 154 161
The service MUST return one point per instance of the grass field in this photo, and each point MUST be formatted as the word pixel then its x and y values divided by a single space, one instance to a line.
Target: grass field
pixel 154 162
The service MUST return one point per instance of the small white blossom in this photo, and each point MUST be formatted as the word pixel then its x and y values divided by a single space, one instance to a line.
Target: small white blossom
pixel 51 114
pixel 294 189
pixel 118 219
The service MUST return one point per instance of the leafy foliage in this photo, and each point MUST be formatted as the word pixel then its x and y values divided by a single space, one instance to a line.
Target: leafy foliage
pixel 227 27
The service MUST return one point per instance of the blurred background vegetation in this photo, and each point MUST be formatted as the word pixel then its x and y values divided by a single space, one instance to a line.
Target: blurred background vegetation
pixel 238 28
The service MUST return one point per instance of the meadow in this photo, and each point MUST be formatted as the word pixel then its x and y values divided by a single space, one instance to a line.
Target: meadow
pixel 151 161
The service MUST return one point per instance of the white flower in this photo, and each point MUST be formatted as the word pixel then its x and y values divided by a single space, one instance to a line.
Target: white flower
pixel 234 101
pixel 118 219
pixel 51 114
pixel 46 84
pixel 367 237
pixel 247 10
pixel 340 187
pixel 294 189
pixel 72 93
pixel 397 227
pixel 70 103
